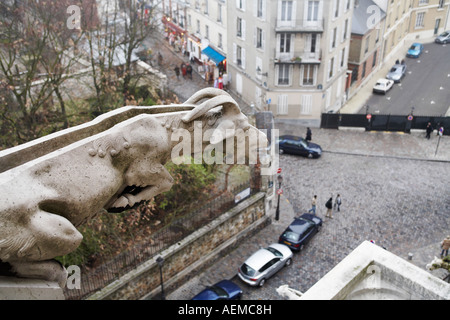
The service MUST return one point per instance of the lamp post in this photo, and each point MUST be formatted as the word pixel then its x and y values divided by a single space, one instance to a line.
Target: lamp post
pixel 160 261
pixel 277 213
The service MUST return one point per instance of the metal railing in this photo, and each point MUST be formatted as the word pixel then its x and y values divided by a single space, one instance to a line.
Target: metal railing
pixel 173 232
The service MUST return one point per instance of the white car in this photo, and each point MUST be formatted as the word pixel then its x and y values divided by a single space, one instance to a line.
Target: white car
pixel 264 263
pixel 383 86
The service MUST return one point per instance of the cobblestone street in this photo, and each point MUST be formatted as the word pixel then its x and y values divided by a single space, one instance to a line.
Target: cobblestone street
pixel 400 202
pixel 395 190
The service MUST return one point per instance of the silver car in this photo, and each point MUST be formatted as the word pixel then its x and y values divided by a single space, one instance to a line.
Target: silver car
pixel 264 263
pixel 443 37
pixel 397 72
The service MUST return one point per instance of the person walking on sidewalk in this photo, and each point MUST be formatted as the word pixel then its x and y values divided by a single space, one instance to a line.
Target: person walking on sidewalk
pixel 329 206
pixel 445 245
pixel 313 205
pixel 308 134
pixel 338 202
pixel 429 130
pixel 183 69
pixel 189 70
pixel 177 72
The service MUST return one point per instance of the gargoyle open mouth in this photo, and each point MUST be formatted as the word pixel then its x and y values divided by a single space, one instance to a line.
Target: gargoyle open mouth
pixel 127 199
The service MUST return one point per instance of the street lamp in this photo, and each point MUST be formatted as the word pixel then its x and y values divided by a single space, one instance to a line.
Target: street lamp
pixel 160 261
pixel 277 214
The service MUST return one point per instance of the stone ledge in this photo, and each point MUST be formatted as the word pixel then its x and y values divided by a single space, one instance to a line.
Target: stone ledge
pixel 12 288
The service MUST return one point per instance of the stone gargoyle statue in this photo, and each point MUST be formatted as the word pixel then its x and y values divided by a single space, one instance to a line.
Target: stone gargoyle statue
pixel 79 173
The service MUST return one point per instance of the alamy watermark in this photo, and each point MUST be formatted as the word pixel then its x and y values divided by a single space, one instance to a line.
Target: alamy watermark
pixel 74 20
pixel 73 277
pixel 373 22
pixel 241 147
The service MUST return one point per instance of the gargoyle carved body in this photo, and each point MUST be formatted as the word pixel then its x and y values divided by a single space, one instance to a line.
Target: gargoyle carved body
pixel 43 201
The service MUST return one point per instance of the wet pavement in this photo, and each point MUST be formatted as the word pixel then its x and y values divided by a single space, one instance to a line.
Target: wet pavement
pixel 395 190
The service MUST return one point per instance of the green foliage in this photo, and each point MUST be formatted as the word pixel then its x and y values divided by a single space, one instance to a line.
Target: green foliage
pixel 109 234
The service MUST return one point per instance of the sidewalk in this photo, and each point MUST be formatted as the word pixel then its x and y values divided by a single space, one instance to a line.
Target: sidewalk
pixel 358 101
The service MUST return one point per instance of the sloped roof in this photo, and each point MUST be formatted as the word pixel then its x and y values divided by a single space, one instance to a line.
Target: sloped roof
pixel 363 16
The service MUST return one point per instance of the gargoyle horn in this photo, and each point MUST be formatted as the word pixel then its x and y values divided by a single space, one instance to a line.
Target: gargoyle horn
pixel 226 101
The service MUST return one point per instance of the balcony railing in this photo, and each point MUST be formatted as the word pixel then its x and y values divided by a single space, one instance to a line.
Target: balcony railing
pixel 299 57
pixel 300 25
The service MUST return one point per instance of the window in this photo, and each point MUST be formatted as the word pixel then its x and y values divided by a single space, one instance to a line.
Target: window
pixel 283 74
pixel 313 42
pixel 374 61
pixel 260 38
pixel 220 44
pixel 313 11
pixel 198 26
pixel 286 10
pixel 219 12
pixel 260 8
pixel 336 8
pixel 344 36
pixel 306 106
pixel 308 75
pixel 285 42
pixel 342 58
pixel 240 4
pixel 206 8
pixel 239 55
pixel 419 19
pixel 282 106
pixel 240 27
pixel 330 68
pixel 363 74
pixel 333 39
pixel 367 44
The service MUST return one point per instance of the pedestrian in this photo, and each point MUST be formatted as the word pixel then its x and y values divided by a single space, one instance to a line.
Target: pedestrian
pixel 160 59
pixel 337 202
pixel 329 206
pixel 308 134
pixel 429 130
pixel 189 70
pixel 177 72
pixel 445 245
pixel 313 205
pixel 183 70
pixel 220 82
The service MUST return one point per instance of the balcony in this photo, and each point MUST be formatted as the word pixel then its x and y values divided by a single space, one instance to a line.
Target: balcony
pixel 299 57
pixel 300 26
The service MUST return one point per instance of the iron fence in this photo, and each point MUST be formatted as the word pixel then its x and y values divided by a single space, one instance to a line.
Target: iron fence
pixel 181 227
pixel 382 122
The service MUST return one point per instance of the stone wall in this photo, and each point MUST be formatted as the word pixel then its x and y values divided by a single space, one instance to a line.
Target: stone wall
pixel 186 258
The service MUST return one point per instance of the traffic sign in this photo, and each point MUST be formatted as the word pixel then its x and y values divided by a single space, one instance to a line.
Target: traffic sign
pixel 410 117
pixel 369 116
pixel 279 170
pixel 279 191
pixel 441 131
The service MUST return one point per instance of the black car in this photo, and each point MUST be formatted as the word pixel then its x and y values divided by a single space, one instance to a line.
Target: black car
pixel 300 231
pixel 299 146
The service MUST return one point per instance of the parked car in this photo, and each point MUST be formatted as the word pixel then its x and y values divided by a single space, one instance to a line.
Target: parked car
pixel 383 86
pixel 264 263
pixel 397 72
pixel 300 231
pixel 415 50
pixel 443 37
pixel 299 146
pixel 222 290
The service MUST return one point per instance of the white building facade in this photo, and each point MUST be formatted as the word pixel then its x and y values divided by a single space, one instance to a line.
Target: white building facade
pixel 290 57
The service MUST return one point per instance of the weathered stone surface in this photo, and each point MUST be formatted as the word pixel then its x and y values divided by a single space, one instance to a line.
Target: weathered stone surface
pixel 44 199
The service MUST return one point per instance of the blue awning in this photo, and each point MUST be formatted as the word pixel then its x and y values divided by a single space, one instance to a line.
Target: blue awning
pixel 213 55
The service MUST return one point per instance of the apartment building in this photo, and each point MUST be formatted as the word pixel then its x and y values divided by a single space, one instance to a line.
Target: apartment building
pixel 366 43
pixel 290 57
pixel 429 18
